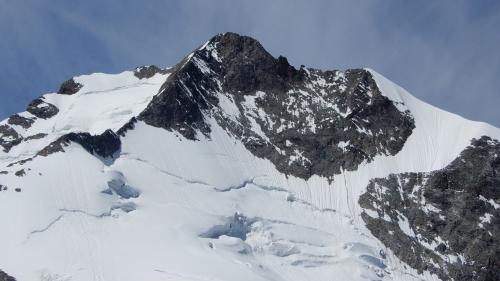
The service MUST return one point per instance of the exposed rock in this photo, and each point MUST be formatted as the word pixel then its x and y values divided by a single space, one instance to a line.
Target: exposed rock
pixel 41 109
pixel 19 120
pixel 20 162
pixel 69 87
pixel 305 121
pixel 35 137
pixel 20 173
pixel 5 277
pixel 9 137
pixel 105 145
pixel 53 147
pixel 128 126
pixel 446 222
pixel 148 71
pixel 177 107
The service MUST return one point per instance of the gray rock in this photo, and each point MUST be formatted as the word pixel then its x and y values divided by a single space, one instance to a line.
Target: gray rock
pixel 9 137
pixel 445 208
pixel 128 126
pixel 41 109
pixel 304 133
pixel 5 277
pixel 148 71
pixel 106 145
pixel 35 137
pixel 18 120
pixel 20 173
pixel 69 87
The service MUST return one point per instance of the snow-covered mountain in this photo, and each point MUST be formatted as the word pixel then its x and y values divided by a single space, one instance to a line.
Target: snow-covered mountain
pixel 235 165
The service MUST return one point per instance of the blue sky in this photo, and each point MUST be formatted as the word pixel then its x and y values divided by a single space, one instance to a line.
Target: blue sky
pixel 444 52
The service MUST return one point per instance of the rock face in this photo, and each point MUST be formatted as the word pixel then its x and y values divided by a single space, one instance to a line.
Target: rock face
pixel 9 137
pixel 447 221
pixel 148 71
pixel 69 87
pixel 42 109
pixel 305 121
pixel 19 120
pixel 35 137
pixel 5 277
pixel 105 145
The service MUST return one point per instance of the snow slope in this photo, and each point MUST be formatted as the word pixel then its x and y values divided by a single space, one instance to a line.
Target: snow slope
pixel 106 101
pixel 68 223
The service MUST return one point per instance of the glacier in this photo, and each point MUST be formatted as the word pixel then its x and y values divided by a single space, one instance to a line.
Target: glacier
pixel 62 225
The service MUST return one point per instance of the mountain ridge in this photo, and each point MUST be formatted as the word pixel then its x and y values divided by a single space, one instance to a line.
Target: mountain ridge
pixel 237 127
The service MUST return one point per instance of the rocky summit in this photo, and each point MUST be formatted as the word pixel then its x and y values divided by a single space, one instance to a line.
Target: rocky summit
pixel 236 165
pixel 307 121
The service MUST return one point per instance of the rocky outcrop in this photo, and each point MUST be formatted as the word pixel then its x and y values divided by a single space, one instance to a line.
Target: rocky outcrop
pixel 446 222
pixel 35 137
pixel 41 109
pixel 9 137
pixel 148 71
pixel 19 120
pixel 105 145
pixel 305 121
pixel 69 87
pixel 130 125
pixel 180 104
pixel 20 173
pixel 5 277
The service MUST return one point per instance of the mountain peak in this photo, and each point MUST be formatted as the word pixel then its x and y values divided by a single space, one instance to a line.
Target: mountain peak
pixel 227 62
pixel 233 71
pixel 231 45
pixel 235 155
pixel 245 61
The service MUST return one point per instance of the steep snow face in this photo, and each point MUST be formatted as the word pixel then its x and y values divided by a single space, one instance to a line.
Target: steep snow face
pixel 184 197
pixel 440 136
pixel 87 232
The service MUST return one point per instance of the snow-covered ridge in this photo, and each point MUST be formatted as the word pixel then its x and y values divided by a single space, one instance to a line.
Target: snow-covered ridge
pixel 105 101
pixel 208 208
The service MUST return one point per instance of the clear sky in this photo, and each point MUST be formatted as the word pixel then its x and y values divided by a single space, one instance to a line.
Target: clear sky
pixel 446 52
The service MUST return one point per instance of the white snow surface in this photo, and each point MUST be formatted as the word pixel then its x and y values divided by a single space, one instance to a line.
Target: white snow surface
pixel 61 226
pixel 106 101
